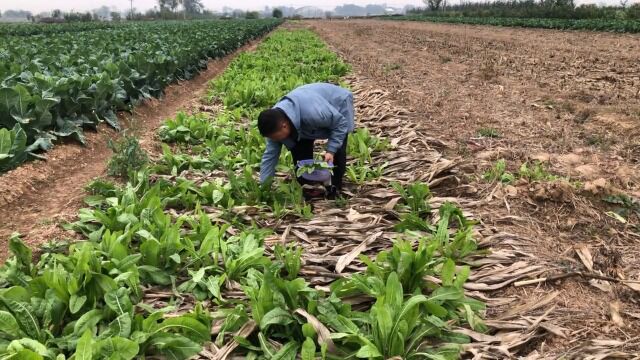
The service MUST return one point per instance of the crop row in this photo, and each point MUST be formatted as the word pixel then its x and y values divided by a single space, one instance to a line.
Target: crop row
pixel 612 25
pixel 57 85
pixel 191 226
pixel 28 29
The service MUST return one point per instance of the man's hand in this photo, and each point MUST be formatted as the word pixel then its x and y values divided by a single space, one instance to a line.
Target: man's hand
pixel 328 157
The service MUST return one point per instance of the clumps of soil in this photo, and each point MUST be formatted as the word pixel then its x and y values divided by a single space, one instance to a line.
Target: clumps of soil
pixel 556 191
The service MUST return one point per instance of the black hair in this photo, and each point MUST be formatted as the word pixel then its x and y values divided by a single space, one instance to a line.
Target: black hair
pixel 269 121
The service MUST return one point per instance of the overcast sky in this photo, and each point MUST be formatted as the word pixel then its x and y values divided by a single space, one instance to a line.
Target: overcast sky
pixel 45 5
pixel 79 5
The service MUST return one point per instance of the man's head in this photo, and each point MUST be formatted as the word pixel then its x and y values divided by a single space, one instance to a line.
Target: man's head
pixel 274 124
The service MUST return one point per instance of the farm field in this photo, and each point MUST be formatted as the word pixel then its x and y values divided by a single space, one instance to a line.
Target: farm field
pixel 612 25
pixel 504 100
pixel 192 250
pixel 491 209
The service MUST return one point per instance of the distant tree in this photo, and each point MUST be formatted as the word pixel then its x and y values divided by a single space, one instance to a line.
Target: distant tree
pixel 192 6
pixel 173 5
pixel 375 9
pixel 624 3
pixel 252 15
pixel 167 8
pixel 115 16
pixel 17 14
pixel 633 12
pixel 277 13
pixel 56 13
pixel 350 10
pixel 433 5
pixel 408 8
pixel 151 14
pixel 101 13
pixel 133 14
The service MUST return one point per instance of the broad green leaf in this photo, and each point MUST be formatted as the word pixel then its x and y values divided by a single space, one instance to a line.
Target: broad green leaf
pixel 30 344
pixel 87 321
pixel 245 343
pixel 119 301
pixel 156 275
pixel 213 284
pixel 8 98
pixel 435 309
pixel 106 283
pixel 473 319
pixel 120 326
pixel 19 144
pixel 309 331
pixel 111 119
pixel 8 324
pixel 308 351
pixel 384 322
pixel 129 261
pixel 76 302
pixel 276 316
pixel 461 277
pixel 20 251
pixel 287 352
pixel 117 348
pixel 174 346
pixel 454 337
pixel 446 293
pixel 5 142
pixel 393 293
pixel 23 100
pixel 25 317
pixel 191 327
pixel 368 352
pixel 198 275
pixel 448 272
pixel 17 293
pixel 436 321
pixel 84 349
pixel 216 196
pixel 176 258
pixel 24 354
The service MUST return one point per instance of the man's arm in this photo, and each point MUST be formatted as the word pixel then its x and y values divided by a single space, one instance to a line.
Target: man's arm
pixel 269 160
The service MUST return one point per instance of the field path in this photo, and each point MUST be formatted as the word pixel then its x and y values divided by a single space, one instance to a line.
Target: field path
pixel 38 195
pixel 568 99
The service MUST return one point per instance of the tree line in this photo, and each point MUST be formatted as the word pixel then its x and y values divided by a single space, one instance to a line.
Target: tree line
pixel 545 9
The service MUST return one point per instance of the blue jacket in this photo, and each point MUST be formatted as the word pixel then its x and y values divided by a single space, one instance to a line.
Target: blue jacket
pixel 317 111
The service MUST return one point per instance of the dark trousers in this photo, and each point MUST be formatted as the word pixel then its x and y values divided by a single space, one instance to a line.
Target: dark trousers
pixel 304 150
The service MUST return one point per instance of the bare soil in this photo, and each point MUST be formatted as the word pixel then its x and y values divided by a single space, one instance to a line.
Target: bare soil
pixel 570 100
pixel 38 196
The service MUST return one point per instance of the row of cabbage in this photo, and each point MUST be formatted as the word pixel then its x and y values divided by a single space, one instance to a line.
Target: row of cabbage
pixel 612 25
pixel 27 29
pixel 57 85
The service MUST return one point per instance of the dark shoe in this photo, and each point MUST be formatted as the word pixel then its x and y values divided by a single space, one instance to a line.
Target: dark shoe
pixel 332 193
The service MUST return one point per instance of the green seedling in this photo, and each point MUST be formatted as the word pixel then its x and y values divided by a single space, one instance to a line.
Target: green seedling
pixel 498 173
